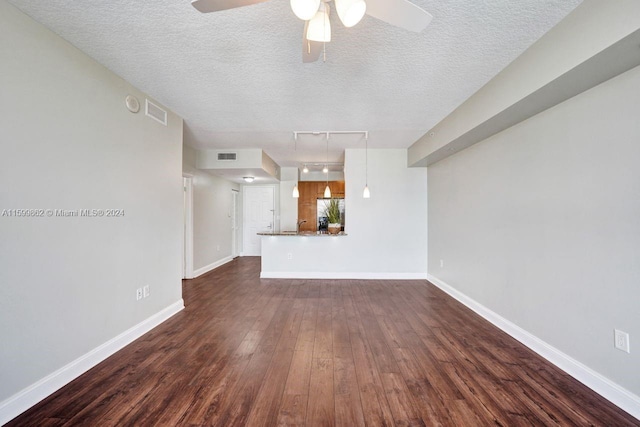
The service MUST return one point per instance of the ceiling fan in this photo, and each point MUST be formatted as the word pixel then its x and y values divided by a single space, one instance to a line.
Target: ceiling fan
pixel 315 13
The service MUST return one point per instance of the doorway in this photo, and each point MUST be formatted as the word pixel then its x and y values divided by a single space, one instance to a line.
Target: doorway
pixel 258 217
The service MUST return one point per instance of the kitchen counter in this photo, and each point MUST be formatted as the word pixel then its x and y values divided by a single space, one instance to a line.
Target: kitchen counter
pixel 307 254
pixel 303 234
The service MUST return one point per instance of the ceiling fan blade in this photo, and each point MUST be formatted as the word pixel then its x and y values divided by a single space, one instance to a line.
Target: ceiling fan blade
pixel 206 6
pixel 310 49
pixel 401 13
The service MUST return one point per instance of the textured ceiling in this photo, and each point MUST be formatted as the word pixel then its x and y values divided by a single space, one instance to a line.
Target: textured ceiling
pixel 238 80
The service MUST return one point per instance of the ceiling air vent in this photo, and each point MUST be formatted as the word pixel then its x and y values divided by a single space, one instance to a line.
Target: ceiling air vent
pixel 227 156
pixel 155 112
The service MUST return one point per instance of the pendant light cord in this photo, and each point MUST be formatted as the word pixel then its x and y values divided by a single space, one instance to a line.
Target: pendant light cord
pixel 366 162
pixel 366 193
pixel 327 160
pixel 327 190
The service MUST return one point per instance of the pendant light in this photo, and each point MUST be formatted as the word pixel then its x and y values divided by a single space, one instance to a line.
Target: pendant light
pixel 319 29
pixel 296 192
pixel 305 9
pixel 305 169
pixel 366 194
pixel 327 190
pixel 350 12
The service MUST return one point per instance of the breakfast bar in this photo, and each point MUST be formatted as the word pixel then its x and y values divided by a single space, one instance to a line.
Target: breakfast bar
pixel 305 254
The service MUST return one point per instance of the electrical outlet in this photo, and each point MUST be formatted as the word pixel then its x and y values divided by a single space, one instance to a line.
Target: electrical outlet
pixel 441 263
pixel 289 255
pixel 138 294
pixel 146 291
pixel 622 341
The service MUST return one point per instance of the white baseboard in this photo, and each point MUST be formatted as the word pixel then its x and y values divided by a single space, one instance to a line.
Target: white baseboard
pixel 611 391
pixel 341 275
pixel 213 265
pixel 25 399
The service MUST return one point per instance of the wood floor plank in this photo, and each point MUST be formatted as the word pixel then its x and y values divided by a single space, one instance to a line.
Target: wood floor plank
pixel 154 405
pixel 339 323
pixel 320 408
pixel 299 374
pixel 347 393
pixel 238 401
pixel 307 332
pixel 266 405
pixel 348 411
pixel 345 380
pixel 374 402
pixel 122 407
pixel 293 410
pixel 492 392
pixel 214 391
pixel 178 402
pixel 400 402
pixel 323 342
pixel 260 352
pixel 436 374
pixel 380 349
pixel 428 402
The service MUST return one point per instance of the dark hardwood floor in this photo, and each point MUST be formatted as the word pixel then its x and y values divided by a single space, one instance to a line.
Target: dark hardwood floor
pixel 254 352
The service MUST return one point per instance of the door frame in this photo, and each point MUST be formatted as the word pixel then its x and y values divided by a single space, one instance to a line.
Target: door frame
pixel 235 250
pixel 187 230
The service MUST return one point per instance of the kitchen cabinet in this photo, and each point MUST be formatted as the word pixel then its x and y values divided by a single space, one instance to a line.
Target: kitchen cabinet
pixel 310 192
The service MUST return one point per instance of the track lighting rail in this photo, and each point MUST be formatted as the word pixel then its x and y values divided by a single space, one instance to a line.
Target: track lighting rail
pixel 327 133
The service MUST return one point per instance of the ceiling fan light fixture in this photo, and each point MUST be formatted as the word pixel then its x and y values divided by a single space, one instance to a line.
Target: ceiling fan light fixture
pixel 350 12
pixel 305 9
pixel 319 29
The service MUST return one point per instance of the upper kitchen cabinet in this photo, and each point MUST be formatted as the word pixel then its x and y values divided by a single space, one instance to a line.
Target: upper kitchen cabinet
pixel 310 192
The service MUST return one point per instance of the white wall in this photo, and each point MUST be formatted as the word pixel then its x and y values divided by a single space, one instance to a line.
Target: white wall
pixel 541 224
pixel 387 234
pixel 67 284
pixel 212 200
pixel 288 204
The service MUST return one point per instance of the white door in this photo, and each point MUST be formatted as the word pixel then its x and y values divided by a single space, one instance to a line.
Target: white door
pixel 258 217
pixel 234 223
